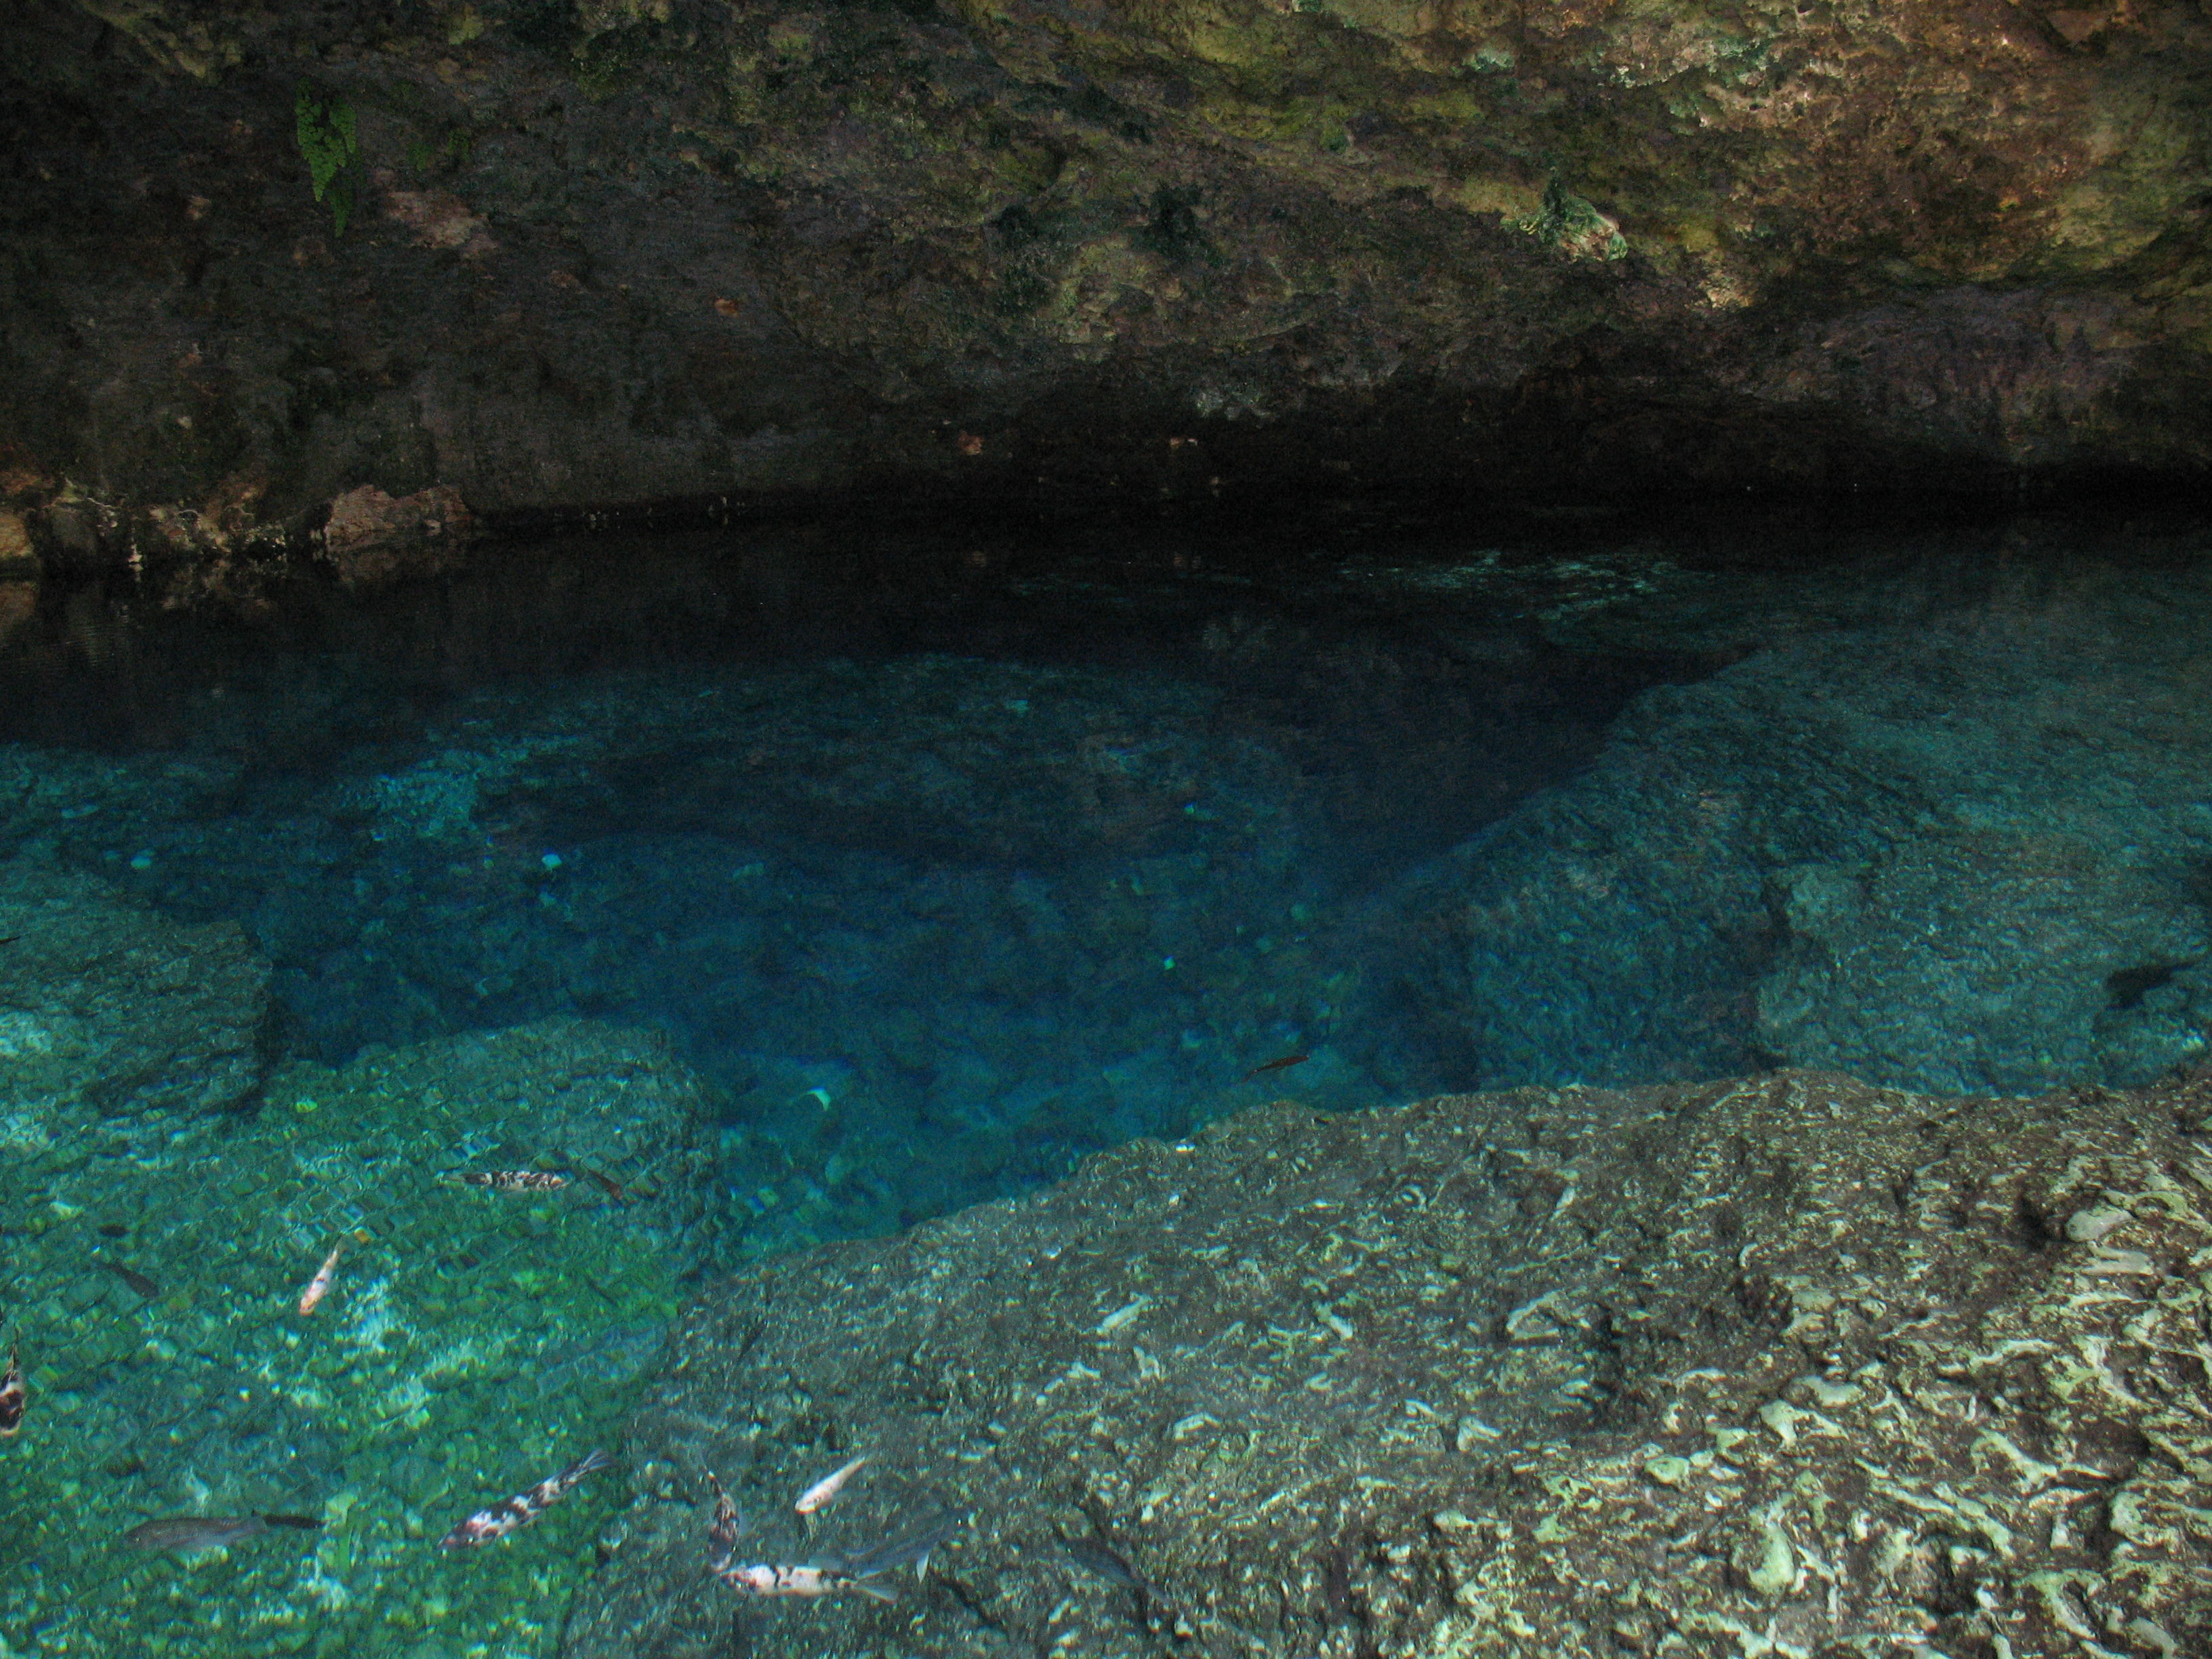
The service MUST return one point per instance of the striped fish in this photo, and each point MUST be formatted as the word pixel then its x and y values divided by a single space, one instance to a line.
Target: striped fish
pixel 519 1510
pixel 509 1180
pixel 12 1399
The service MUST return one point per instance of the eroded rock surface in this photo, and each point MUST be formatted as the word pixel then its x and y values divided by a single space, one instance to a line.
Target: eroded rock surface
pixel 1954 851
pixel 560 253
pixel 1786 1366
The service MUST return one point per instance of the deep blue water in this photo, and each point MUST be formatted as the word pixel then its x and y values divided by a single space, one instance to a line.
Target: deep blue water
pixel 945 857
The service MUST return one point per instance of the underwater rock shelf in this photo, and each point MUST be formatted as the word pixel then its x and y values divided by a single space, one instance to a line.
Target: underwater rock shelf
pixel 1961 850
pixel 746 894
pixel 1786 1366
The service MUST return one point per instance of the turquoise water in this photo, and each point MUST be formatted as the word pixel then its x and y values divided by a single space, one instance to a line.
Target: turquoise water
pixel 784 885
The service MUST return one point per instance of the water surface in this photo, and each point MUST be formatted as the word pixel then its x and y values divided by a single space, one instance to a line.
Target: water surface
pixel 781 884
pixel 944 858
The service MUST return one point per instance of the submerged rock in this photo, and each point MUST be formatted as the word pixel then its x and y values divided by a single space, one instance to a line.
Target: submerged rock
pixel 610 1107
pixel 2009 958
pixel 467 1336
pixel 1957 851
pixel 981 761
pixel 1788 1365
pixel 106 1005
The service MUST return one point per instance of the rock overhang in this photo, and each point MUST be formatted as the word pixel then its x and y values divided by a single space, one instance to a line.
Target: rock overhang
pixel 614 253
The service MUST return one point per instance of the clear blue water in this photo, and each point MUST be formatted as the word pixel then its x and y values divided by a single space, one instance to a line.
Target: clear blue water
pixel 945 859
pixel 802 882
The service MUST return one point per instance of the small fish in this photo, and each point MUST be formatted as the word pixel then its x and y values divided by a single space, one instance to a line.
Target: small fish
pixel 798 1578
pixel 319 1285
pixel 1282 1064
pixel 509 1180
pixel 208 1532
pixel 825 1575
pixel 915 1547
pixel 1095 1556
pixel 12 1398
pixel 131 1276
pixel 726 1528
pixel 823 1493
pixel 523 1508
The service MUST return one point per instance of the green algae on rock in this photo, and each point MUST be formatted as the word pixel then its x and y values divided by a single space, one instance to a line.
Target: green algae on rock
pixel 1788 1366
pixel 465 1340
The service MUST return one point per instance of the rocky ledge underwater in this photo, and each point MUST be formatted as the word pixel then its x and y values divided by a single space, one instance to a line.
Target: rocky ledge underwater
pixel 665 987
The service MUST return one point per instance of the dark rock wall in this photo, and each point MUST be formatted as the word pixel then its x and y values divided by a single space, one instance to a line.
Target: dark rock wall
pixel 633 249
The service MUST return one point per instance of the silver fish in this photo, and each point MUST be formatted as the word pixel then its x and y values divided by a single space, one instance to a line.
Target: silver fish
pixel 208 1532
pixel 1095 1555
pixel 824 1491
pixel 519 1510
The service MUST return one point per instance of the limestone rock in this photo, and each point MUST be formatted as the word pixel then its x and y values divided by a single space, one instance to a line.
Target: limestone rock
pixel 981 761
pixel 575 1096
pixel 1953 852
pixel 594 253
pixel 371 538
pixel 2003 932
pixel 16 558
pixel 1786 1366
